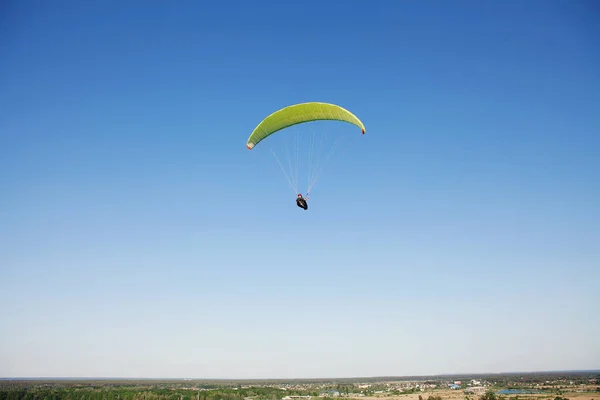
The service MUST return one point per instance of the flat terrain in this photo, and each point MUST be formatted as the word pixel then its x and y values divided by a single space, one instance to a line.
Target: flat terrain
pixel 587 393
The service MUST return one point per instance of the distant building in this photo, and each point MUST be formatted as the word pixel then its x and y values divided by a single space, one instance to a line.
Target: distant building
pixel 454 387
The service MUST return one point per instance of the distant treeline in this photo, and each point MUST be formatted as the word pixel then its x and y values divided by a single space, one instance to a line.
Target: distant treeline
pixel 138 394
pixel 156 393
pixel 537 377
pixel 141 389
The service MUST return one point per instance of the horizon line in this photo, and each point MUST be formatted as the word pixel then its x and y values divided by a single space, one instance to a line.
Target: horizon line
pixel 82 378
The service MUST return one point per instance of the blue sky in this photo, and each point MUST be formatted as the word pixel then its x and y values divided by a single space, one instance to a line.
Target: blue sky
pixel 140 238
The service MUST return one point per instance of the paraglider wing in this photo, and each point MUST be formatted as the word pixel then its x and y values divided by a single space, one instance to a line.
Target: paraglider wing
pixel 298 114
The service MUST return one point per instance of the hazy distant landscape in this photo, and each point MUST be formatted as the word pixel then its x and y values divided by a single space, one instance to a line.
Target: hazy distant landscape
pixel 560 385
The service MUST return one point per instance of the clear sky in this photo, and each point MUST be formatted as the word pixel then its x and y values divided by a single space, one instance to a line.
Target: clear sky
pixel 140 238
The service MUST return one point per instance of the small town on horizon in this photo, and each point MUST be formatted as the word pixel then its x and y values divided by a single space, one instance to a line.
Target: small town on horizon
pixel 553 385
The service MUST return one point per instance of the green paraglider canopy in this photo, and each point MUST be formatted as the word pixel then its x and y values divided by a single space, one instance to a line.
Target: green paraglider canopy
pixel 298 114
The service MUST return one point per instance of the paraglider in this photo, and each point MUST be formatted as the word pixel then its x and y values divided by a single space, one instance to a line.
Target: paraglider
pixel 295 115
pixel 301 202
